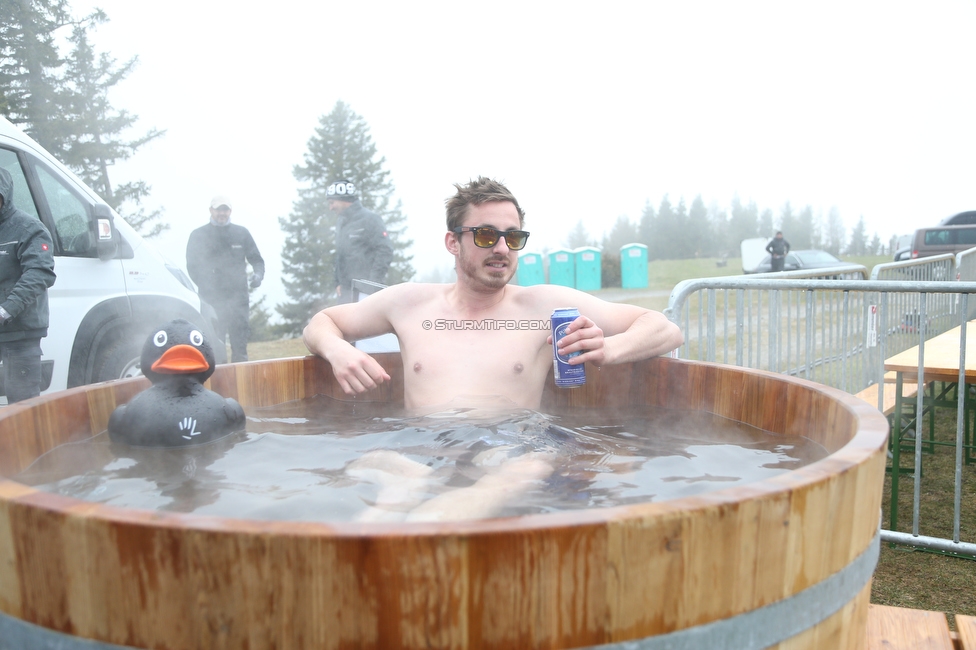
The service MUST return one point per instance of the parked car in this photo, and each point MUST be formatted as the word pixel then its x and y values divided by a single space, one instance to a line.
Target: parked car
pixel 943 239
pixel 903 248
pixel 801 260
pixel 967 218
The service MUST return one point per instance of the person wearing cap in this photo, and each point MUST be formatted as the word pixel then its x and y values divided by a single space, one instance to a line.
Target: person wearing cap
pixel 26 273
pixel 363 250
pixel 217 256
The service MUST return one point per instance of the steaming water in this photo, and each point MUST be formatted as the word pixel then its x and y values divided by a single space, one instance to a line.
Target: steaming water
pixel 325 460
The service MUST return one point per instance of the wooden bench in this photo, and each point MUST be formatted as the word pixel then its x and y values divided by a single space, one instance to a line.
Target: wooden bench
pixel 870 394
pixel 897 628
pixel 966 632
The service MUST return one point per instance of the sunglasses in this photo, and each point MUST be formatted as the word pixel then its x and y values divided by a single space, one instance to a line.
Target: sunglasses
pixel 485 237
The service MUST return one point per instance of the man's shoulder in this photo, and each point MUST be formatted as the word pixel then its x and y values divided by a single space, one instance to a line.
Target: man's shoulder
pixel 543 293
pixel 358 211
pixel 403 297
pixel 239 230
pixel 413 291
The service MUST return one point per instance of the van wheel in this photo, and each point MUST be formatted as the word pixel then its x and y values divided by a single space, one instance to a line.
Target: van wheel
pixel 120 360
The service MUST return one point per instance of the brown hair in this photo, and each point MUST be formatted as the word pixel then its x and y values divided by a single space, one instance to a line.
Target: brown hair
pixel 483 190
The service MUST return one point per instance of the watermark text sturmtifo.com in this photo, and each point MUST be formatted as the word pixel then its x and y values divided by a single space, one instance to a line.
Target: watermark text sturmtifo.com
pixel 487 324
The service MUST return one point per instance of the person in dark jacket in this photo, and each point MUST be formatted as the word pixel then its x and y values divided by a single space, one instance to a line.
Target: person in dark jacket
pixel 217 256
pixel 777 248
pixel 363 250
pixel 26 273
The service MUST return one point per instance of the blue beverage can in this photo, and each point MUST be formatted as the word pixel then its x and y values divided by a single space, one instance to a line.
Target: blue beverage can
pixel 566 376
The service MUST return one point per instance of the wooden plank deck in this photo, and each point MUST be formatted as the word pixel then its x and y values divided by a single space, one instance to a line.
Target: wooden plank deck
pixel 897 628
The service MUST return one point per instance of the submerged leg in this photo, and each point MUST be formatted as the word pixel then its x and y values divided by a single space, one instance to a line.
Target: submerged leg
pixel 490 494
pixel 402 483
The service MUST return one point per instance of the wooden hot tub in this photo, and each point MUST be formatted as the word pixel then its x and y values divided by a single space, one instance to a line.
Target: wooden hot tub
pixel 746 567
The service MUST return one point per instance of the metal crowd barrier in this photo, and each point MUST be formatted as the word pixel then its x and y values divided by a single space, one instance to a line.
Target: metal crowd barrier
pixel 837 332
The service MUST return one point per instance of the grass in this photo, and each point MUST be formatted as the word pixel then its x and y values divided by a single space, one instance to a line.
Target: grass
pixel 904 577
pixel 281 349
pixel 920 579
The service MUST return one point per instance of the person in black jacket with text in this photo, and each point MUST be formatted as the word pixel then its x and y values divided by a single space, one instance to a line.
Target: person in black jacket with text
pixel 363 249
pixel 217 256
pixel 26 273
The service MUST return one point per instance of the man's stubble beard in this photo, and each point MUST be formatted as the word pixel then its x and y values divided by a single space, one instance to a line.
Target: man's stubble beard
pixel 477 272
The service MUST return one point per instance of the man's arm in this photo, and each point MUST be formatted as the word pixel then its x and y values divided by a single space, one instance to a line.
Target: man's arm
pixel 610 333
pixel 330 331
pixel 35 253
pixel 253 257
pixel 381 252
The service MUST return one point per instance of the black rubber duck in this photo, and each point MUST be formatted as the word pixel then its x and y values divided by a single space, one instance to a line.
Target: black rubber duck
pixel 177 410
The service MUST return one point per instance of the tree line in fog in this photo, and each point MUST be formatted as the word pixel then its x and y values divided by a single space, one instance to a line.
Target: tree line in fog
pixel 680 232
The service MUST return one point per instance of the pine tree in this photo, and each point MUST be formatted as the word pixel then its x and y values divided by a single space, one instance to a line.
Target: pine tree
pixel 835 232
pixel 789 223
pixel 859 239
pixel 803 233
pixel 578 237
pixel 876 248
pixel 743 223
pixel 63 102
pixel 29 68
pixel 658 242
pixel 622 233
pixel 699 234
pixel 766 224
pixel 647 224
pixel 340 148
pixel 719 227
pixel 94 141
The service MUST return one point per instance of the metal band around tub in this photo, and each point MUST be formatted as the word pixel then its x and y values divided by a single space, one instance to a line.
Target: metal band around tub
pixel 773 623
pixel 753 630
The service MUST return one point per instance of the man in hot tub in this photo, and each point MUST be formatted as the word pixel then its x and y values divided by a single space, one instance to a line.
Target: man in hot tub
pixel 481 336
pixel 459 349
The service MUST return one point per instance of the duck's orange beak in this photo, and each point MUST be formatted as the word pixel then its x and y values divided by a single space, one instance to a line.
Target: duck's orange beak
pixel 181 360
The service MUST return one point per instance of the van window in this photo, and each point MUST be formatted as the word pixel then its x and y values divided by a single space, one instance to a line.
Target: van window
pixel 966 236
pixel 70 215
pixel 22 195
pixel 938 237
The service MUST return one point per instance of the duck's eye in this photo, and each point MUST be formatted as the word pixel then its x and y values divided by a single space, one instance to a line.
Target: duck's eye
pixel 160 338
pixel 196 338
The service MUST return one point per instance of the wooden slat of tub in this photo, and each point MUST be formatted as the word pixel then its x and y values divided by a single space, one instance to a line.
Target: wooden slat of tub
pixel 966 628
pixel 29 432
pixel 896 628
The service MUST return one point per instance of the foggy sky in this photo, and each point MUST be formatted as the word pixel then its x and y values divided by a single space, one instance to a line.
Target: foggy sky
pixel 585 112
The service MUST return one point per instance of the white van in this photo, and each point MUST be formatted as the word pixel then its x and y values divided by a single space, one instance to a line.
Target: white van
pixel 112 288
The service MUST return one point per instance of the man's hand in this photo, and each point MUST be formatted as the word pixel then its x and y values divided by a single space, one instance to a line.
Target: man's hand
pixel 255 281
pixel 5 317
pixel 356 371
pixel 584 336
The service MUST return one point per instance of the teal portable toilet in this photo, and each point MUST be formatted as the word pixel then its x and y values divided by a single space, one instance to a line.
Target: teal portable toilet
pixel 562 268
pixel 530 270
pixel 588 271
pixel 633 266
